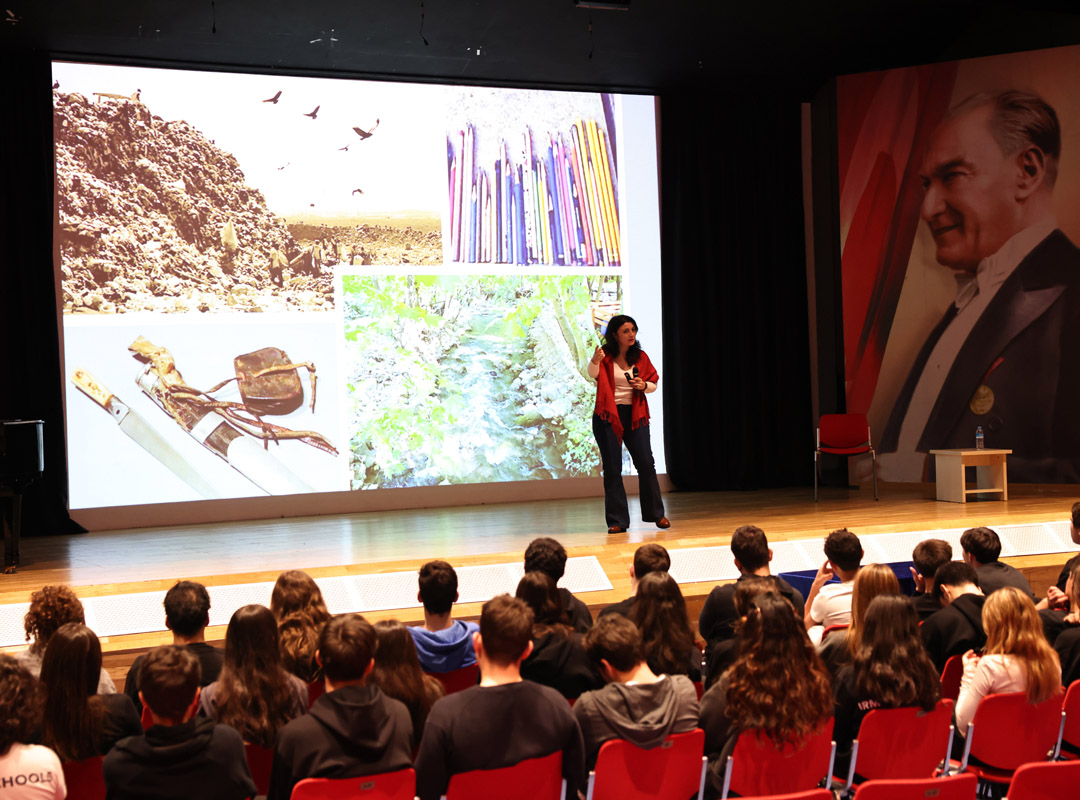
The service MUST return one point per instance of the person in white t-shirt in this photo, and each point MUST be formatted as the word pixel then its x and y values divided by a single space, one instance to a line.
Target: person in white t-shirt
pixel 27 771
pixel 830 603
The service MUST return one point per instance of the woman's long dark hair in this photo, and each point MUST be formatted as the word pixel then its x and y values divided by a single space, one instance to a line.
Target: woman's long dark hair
pixel 540 594
pixel 611 341
pixel 70 671
pixel 301 612
pixel 660 614
pixel 254 694
pixel 891 665
pixel 397 672
pixel 777 684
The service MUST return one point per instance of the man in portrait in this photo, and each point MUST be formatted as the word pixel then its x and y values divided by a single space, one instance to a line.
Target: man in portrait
pixel 1006 353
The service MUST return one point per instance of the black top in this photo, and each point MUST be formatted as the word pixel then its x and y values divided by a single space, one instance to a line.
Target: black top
pixel 954 630
pixel 488 727
pixel 210 660
pixel 925 604
pixel 1067 646
pixel 198 759
pixel 997 574
pixel 623 607
pixel 1064 576
pixel 560 662
pixel 119 721
pixel 720 734
pixel 350 732
pixel 580 616
pixel 718 616
pixel 851 708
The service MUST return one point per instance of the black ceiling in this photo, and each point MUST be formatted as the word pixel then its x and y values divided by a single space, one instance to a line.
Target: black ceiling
pixel 789 46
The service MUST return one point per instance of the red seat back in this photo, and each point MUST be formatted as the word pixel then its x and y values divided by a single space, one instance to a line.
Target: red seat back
pixel 145 718
pixel 955 787
pixel 672 771
pixel 260 760
pixel 84 779
pixel 399 785
pixel 903 742
pixel 758 767
pixel 1053 780
pixel 315 690
pixel 950 678
pixel 532 779
pixel 457 680
pixel 813 794
pixel 1008 731
pixel 1070 740
pixel 843 432
pixel 833 629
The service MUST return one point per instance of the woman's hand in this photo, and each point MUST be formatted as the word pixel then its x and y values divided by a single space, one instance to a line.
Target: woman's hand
pixel 598 356
pixel 638 383
pixel 970 659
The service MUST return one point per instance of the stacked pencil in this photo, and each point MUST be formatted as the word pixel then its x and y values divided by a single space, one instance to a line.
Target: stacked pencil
pixel 555 204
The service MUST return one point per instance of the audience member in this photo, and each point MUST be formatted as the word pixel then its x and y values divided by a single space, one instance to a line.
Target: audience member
pixel 776 664
pixel 254 694
pixel 1066 642
pixel 829 604
pixel 660 615
pixel 298 606
pixel 527 720
pixel 957 627
pixel 187 613
pixel 752 555
pixel 871 581
pixel 443 644
pixel 1017 657
pixel 548 556
pixel 723 654
pixel 180 756
pixel 51 607
pixel 927 556
pixel 353 729
pixel 1074 534
pixel 398 674
pixel 557 658
pixel 79 723
pixel 647 558
pixel 636 705
pixel 890 669
pixel 981 548
pixel 27 771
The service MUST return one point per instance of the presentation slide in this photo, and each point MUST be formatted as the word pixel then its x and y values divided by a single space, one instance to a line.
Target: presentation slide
pixel 280 285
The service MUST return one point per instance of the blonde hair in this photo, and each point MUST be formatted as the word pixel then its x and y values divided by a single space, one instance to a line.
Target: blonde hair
pixel 871 581
pixel 1013 628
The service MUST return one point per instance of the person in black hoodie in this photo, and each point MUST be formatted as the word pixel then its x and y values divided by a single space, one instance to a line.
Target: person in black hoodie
pixel 353 729
pixel 181 755
pixel 636 705
pixel 548 556
pixel 957 627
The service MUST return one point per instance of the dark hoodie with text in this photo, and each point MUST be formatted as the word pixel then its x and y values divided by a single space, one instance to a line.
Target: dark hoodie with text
pixel 350 732
pixel 644 714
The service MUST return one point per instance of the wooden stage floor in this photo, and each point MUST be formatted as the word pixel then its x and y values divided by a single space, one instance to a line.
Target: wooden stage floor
pixel 128 561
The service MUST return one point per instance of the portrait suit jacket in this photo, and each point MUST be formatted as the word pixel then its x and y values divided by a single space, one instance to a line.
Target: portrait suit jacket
pixel 1026 349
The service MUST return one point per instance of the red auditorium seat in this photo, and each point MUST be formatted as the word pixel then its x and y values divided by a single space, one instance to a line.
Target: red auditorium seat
pixel 757 767
pixel 1070 738
pixel 950 678
pixel 458 679
pixel 399 785
pixel 673 771
pixel 1050 781
pixel 84 779
pixel 955 787
pixel 260 760
pixel 532 779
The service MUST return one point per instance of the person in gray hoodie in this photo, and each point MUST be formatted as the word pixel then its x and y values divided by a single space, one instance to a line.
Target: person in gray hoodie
pixel 443 644
pixel 636 705
pixel 353 729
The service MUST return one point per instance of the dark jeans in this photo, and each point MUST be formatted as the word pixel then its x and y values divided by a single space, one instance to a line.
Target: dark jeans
pixel 638 445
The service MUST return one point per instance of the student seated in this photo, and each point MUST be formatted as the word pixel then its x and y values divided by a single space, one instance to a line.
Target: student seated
pixel 443 643
pixel 957 627
pixel 548 556
pixel 1066 636
pixel 187 613
pixel 829 604
pixel 926 558
pixel 647 558
pixel 34 769
pixel 981 548
pixel 636 704
pixel 660 615
pixel 873 580
pixel 51 607
pixel 181 756
pixel 353 729
pixel 504 720
pixel 1056 593
pixel 298 606
pixel 397 672
pixel 722 655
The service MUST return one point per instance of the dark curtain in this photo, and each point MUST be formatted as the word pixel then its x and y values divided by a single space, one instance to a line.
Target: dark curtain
pixel 29 341
pixel 736 339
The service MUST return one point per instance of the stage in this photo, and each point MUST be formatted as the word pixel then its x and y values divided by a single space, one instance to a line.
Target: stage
pixel 109 565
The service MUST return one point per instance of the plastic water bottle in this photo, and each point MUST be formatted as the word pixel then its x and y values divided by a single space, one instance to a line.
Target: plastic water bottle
pixel 979 442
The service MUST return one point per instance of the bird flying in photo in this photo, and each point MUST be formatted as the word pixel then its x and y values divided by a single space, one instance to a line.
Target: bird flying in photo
pixel 279 169
pixel 345 148
pixel 357 191
pixel 275 98
pixel 314 113
pixel 365 134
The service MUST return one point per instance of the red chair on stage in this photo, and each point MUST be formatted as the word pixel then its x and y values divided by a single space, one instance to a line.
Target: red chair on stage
pixel 954 787
pixel 843 435
pixel 951 676
pixel 1054 780
pixel 673 771
pixel 457 680
pixel 1070 734
pixel 1015 733
pixel 260 760
pixel 399 785
pixel 758 767
pixel 84 779
pixel 901 743
pixel 532 779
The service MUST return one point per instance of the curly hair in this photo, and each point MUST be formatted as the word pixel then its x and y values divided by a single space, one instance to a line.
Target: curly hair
pixel 298 606
pixel 1013 627
pixel 50 607
pixel 611 339
pixel 891 665
pixel 20 704
pixel 775 663
pixel 660 614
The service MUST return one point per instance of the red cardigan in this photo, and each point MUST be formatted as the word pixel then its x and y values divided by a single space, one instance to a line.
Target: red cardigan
pixel 606 408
